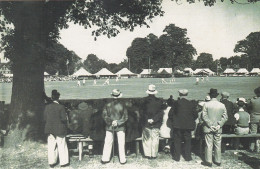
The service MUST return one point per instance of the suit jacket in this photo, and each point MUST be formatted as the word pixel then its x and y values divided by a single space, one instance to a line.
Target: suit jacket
pixel 115 110
pixel 230 112
pixel 214 113
pixel 55 118
pixel 152 109
pixel 183 114
pixel 254 106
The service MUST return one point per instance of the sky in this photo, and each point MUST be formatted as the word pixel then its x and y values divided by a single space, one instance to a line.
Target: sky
pixel 214 30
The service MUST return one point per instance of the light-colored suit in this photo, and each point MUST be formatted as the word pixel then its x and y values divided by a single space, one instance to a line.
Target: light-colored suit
pixel 214 113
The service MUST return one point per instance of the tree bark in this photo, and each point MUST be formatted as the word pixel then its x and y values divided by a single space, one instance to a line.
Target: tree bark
pixel 27 102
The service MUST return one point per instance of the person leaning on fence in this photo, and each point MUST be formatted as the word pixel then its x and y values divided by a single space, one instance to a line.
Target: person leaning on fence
pixel 152 121
pixel 214 115
pixel 55 126
pixel 183 115
pixel 115 115
pixel 254 109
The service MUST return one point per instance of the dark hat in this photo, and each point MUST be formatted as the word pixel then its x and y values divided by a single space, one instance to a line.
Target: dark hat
pixel 55 94
pixel 257 91
pixel 213 92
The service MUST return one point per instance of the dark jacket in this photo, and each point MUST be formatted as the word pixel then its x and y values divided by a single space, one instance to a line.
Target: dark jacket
pixel 133 129
pixel 152 109
pixel 98 125
pixel 230 112
pixel 56 119
pixel 183 114
pixel 115 110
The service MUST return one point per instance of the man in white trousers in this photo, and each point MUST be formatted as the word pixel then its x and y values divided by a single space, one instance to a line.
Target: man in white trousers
pixel 55 126
pixel 115 115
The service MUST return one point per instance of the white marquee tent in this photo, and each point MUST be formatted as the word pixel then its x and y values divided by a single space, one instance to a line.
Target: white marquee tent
pixel 146 72
pixel 104 72
pixel 229 71
pixel 125 72
pixel 82 72
pixel 46 74
pixel 188 70
pixel 242 71
pixel 204 71
pixel 168 70
pixel 255 71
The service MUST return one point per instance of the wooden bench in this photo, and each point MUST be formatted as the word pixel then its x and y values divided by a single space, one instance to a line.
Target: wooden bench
pixel 79 139
pixel 233 136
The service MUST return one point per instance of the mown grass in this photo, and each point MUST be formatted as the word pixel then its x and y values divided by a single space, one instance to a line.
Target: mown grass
pixel 32 155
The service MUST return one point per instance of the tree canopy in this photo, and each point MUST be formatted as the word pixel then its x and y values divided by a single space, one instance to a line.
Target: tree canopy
pixel 172 49
pixel 250 48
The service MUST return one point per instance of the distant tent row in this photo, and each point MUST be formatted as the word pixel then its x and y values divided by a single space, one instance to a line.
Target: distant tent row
pixel 242 71
pixel 104 72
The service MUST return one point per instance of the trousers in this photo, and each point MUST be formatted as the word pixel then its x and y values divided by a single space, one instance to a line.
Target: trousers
pixel 213 140
pixel 150 140
pixel 57 148
pixel 109 139
pixel 178 135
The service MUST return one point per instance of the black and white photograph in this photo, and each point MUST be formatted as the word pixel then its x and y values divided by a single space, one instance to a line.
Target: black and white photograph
pixel 137 84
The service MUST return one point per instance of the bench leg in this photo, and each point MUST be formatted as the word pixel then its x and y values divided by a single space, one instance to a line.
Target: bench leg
pixel 257 144
pixel 80 146
pixel 137 147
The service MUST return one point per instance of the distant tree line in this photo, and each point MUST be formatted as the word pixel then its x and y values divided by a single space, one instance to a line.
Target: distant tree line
pixel 171 50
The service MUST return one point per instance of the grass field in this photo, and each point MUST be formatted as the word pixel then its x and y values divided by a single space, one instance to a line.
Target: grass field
pixel 136 87
pixel 34 156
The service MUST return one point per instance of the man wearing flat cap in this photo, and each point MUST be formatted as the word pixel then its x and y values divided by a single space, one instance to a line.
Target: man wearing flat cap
pixel 115 115
pixel 55 126
pixel 214 115
pixel 152 121
pixel 182 115
pixel 254 109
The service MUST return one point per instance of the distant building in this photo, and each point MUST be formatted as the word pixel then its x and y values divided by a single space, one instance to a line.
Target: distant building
pixel 168 70
pixel 5 69
pixel 3 59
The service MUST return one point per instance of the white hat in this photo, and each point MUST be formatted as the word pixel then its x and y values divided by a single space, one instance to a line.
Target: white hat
pixel 241 99
pixel 183 92
pixel 151 89
pixel 207 98
pixel 116 93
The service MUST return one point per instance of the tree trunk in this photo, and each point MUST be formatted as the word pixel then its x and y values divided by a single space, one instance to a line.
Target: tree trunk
pixel 27 102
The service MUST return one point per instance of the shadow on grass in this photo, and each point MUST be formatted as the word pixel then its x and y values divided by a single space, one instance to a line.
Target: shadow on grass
pixel 251 161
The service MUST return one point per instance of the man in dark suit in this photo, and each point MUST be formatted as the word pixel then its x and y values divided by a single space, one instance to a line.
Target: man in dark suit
pixel 152 121
pixel 228 127
pixel 183 115
pixel 55 126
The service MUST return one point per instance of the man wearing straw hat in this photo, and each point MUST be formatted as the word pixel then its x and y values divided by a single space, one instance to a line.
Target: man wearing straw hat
pixel 214 115
pixel 153 114
pixel 115 115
